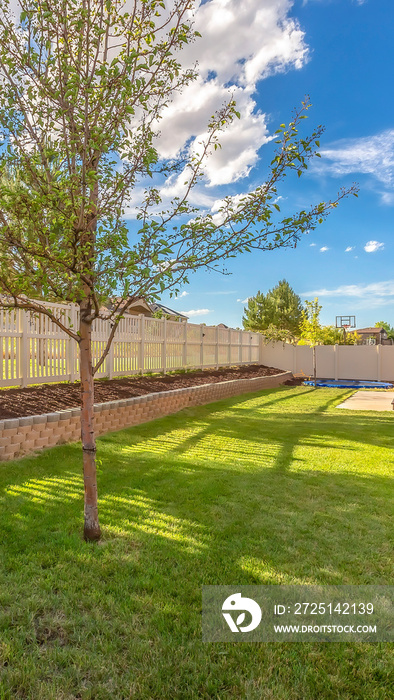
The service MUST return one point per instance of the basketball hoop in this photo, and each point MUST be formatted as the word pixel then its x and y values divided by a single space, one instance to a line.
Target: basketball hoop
pixel 345 322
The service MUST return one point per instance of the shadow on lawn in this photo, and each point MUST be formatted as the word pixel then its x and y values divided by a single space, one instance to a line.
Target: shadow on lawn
pixel 285 428
pixel 227 491
pixel 225 496
pixel 210 500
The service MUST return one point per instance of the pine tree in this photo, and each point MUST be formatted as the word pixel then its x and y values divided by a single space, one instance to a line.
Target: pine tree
pixel 254 318
pixel 281 308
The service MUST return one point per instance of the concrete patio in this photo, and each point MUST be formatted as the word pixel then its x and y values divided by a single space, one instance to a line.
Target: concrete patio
pixel 369 401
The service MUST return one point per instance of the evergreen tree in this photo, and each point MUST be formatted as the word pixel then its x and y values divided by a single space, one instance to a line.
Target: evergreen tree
pixel 281 308
pixel 254 318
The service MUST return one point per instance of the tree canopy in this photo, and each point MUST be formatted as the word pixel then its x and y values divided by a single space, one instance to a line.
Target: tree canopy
pixel 389 329
pixel 281 308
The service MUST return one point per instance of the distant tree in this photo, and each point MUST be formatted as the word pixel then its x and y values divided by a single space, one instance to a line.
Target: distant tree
pixel 279 335
pixel 280 308
pixel 311 331
pixel 160 314
pixel 336 336
pixel 389 329
pixel 254 318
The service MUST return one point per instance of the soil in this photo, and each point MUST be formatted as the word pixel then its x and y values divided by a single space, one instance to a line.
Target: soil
pixel 295 381
pixel 48 398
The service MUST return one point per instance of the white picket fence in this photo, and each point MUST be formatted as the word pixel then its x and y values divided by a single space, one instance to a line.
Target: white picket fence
pixel 35 350
pixel 367 362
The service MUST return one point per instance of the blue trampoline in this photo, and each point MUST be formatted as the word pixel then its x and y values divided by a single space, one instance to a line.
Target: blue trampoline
pixel 349 384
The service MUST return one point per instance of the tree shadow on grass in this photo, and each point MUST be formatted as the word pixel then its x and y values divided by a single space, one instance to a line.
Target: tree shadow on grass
pixel 232 503
pixel 250 423
pixel 322 525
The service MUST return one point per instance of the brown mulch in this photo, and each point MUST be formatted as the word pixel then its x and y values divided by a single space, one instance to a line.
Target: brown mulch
pixel 48 398
pixel 295 381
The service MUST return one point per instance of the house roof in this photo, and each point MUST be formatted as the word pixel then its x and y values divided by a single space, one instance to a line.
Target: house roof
pixel 166 310
pixel 138 306
pixel 370 330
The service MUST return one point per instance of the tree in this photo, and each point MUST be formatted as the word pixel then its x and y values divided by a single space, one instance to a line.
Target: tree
pixel 336 336
pixel 254 318
pixel 273 334
pixel 311 330
pixel 84 86
pixel 280 308
pixel 389 329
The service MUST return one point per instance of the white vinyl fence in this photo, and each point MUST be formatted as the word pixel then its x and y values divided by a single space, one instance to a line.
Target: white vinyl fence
pixel 34 350
pixel 368 362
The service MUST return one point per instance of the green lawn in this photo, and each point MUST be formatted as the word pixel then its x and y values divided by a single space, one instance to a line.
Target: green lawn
pixel 275 487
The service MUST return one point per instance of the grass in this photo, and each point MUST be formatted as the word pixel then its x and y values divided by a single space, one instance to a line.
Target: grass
pixel 275 487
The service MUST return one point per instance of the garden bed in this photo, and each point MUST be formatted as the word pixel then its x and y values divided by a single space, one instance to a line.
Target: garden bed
pixel 48 398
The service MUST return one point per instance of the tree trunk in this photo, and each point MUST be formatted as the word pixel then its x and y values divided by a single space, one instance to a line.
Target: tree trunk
pixel 91 526
pixel 314 364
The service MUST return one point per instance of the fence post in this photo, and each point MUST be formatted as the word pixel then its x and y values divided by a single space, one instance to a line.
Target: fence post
pixel 250 348
pixel 294 359
pixel 261 344
pixel 240 347
pixel 202 345
pixel 142 344
pixel 379 362
pixel 111 360
pixel 229 348
pixel 164 346
pixel 336 358
pixel 217 348
pixel 24 349
pixel 185 346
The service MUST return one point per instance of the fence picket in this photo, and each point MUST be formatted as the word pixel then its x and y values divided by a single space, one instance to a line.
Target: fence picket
pixel 35 350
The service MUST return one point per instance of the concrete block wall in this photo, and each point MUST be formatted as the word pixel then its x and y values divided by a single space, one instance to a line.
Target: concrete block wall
pixel 20 436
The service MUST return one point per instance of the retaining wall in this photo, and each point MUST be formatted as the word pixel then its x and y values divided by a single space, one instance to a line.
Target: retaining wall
pixel 19 436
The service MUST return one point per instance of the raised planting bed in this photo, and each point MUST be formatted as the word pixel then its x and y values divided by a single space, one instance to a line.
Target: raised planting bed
pixel 24 434
pixel 44 398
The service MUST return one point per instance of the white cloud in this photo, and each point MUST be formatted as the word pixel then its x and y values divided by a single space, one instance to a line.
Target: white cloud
pixel 323 249
pixel 374 290
pixel 387 198
pixel 356 2
pixel 349 248
pixel 369 155
pixel 244 301
pixel 197 312
pixel 219 216
pixel 312 245
pixel 182 295
pixel 219 293
pixel 241 44
pixel 373 246
pixel 246 41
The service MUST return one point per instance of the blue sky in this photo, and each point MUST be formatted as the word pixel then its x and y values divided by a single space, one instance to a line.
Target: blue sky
pixel 340 52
